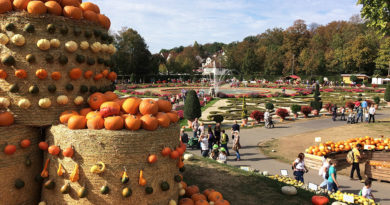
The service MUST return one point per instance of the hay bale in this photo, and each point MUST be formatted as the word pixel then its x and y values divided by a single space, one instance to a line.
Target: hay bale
pixel 50 115
pixel 14 166
pixel 117 149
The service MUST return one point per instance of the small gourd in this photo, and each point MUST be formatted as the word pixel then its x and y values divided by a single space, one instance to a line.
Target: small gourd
pixel 164 186
pixel 71 46
pixel 65 189
pixel 83 89
pixel 124 178
pixel 4 102
pixel 49 184
pixel 18 40
pixel 41 73
pixel 24 103
pixel 27 161
pixel 51 28
pixel 43 44
pixel 98 168
pixel 44 103
pixel 69 87
pixel 29 28
pixel 14 88
pixel 80 58
pixel 91 61
pixel 49 58
pixel 63 60
pixel 52 88
pixel 142 180
pixel 4 39
pixel 45 173
pixel 126 192
pixel 74 176
pixel 182 192
pixel 77 31
pixel 60 170
pixel 111 49
pixel 8 60
pixel 62 100
pixel 88 34
pixel 84 45
pixel 64 30
pixel 10 27
pixel 19 183
pixel 30 58
pixel 55 43
pixel 33 89
pixel 149 190
pixel 96 47
pixel 104 189
pixel 104 48
pixel 78 100
pixel 81 193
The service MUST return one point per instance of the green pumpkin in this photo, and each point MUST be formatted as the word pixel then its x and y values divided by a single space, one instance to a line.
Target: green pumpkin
pixel 104 189
pixel 51 28
pixel 30 58
pixel 88 34
pixel 27 161
pixel 82 193
pixel 64 30
pixel 8 60
pixel 149 190
pixel 90 61
pixel 19 183
pixel 49 58
pixel 177 178
pixel 76 31
pixel 100 60
pixel 29 28
pixel 126 192
pixel 69 87
pixel 49 184
pixel 80 58
pixel 104 36
pixel 52 88
pixel 33 89
pixel 164 186
pixel 10 27
pixel 14 88
pixel 83 89
pixel 93 89
pixel 63 60
pixel 97 33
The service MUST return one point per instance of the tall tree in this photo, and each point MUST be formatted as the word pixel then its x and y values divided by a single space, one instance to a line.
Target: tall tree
pixel 377 14
pixel 249 63
pixel 383 59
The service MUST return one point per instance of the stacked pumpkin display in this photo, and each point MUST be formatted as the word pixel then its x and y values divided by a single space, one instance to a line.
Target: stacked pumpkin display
pixel 191 196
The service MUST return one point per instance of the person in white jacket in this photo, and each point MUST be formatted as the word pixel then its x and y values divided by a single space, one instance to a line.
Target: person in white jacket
pixel 323 172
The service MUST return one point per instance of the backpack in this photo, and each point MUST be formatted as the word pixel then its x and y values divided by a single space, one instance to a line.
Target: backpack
pixel 350 157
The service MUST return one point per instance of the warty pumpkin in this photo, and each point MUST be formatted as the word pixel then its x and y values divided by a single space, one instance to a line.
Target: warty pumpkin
pixel 77 122
pixel 6 118
pixel 96 99
pixel 149 122
pixel 132 123
pixel 20 73
pixel 54 8
pixel 73 12
pixel 163 119
pixel 5 6
pixel 56 75
pixel 95 123
pixel 88 6
pixel 131 105
pixel 109 108
pixel 41 73
pixel 148 106
pixel 75 73
pixel 36 7
pixel 64 117
pixel 113 123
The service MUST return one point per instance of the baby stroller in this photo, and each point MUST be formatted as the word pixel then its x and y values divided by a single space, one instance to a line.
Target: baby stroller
pixel 351 118
pixel 194 143
pixel 269 123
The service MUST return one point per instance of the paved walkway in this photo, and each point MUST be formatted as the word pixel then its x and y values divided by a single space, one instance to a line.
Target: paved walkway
pixel 251 157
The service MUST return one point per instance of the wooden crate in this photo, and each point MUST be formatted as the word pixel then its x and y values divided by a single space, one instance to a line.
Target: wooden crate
pixel 315 162
pixel 377 172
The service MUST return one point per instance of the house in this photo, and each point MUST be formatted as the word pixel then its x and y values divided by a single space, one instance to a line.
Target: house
pixel 360 77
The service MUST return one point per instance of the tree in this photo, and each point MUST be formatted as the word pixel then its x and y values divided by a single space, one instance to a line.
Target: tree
pixel 387 93
pixel 377 14
pixel 316 104
pixel 383 59
pixel 353 78
pixel 244 114
pixel 192 106
pixel 249 63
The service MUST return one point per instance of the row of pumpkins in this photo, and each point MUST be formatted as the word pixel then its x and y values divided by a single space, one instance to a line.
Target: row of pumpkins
pixel 112 113
pixel 73 9
pixel 192 196
pixel 326 148
pixel 379 163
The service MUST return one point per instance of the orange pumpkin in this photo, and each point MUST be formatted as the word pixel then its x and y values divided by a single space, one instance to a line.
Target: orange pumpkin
pixel 88 6
pixel 215 196
pixel 186 201
pixel 41 74
pixel 98 76
pixel 105 72
pixel 164 106
pixel 91 16
pixel 109 108
pixel 131 105
pixel 183 184
pixel 96 99
pixel 55 75
pixel 9 149
pixel 64 117
pixel 43 146
pixel 75 73
pixel 198 196
pixel 77 122
pixel 120 101
pixel 206 192
pixel 20 4
pixel 54 8
pixel 20 73
pixel 75 3
pixel 110 96
pixel 36 7
pixel 95 123
pixel 25 143
pixel 113 123
pixel 148 106
pixel 85 111
pixel 112 76
pixel 149 122
pixel 166 151
pixel 5 6
pixel 132 123
pixel 73 12
pixel 163 119
pixel 180 150
pixel 191 190
pixel 174 154
pixel 93 114
pixel 104 21
pixel 3 74
pixel 54 150
pixel 88 74
pixel 68 152
pixel 152 158
pixel 201 202
pixel 6 118
pixel 173 116
pixel 222 202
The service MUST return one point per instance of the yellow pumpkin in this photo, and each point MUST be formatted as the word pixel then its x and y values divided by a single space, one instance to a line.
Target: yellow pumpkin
pixel 78 100
pixel 4 39
pixel 96 47
pixel 55 43
pixel 44 103
pixel 84 45
pixel 24 103
pixel 18 40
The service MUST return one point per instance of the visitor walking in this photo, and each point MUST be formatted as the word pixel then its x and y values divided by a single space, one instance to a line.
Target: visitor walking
pixel 224 141
pixel 333 185
pixel 211 138
pixel 364 105
pixel 204 145
pixel 195 126
pixel 342 117
pixel 183 137
pixel 366 191
pixel 235 127
pixel 201 128
pixel 299 167
pixel 356 157
pixel 359 111
pixel 237 145
pixel 324 172
pixel 222 156
pixel 334 112
pixel 371 112
pixel 217 133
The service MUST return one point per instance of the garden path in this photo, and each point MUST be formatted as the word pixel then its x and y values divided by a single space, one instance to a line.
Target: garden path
pixel 251 156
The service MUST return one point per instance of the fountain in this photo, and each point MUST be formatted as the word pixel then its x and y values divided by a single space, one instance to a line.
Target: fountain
pixel 218 75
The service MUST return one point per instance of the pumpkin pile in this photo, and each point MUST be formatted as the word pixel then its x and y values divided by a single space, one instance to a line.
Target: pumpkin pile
pixel 109 112
pixel 191 195
pixel 331 147
pixel 379 163
pixel 74 9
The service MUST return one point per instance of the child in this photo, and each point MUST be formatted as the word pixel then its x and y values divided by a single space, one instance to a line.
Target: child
pixel 349 121
pixel 366 191
pixel 222 156
pixel 366 115
pixel 214 152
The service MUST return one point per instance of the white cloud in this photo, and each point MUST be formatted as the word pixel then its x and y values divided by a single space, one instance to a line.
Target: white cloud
pixel 170 23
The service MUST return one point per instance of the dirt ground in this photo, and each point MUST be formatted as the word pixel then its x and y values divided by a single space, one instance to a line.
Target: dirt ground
pixel 238 187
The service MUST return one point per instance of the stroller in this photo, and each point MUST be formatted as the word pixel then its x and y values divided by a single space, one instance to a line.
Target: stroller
pixel 351 118
pixel 194 143
pixel 269 123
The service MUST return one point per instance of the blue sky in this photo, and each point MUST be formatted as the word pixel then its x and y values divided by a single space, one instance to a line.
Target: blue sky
pixel 171 23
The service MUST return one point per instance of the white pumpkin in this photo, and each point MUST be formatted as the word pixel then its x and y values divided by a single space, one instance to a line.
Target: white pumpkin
pixel 4 102
pixel 71 46
pixel 24 103
pixel 62 100
pixel 172 202
pixel 55 43
pixel 289 190
pixel 339 203
pixel 84 45
pixel 4 39
pixel 111 49
pixel 180 186
pixel 43 44
pixel 104 48
pixel 18 40
pixel 78 100
pixel 182 192
pixel 96 47
pixel 42 203
pixel 212 203
pixel 188 157
pixel 265 173
pixel 44 103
